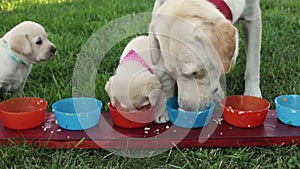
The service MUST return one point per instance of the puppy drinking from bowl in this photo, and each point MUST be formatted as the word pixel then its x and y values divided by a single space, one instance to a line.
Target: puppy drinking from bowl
pixel 137 84
pixel 25 44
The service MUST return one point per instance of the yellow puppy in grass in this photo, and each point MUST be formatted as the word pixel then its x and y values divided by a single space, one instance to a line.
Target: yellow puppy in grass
pixel 137 84
pixel 24 45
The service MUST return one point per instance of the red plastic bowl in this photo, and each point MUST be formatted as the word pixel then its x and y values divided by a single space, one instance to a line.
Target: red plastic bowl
pixel 23 113
pixel 131 120
pixel 245 111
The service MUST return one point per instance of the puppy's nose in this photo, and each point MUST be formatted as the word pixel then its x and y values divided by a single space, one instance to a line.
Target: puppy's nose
pixel 53 50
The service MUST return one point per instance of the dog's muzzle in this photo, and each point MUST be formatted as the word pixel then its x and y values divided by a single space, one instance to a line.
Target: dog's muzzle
pixel 53 50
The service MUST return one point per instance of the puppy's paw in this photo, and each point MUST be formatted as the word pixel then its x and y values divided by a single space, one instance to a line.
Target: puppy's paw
pixel 162 118
pixel 256 93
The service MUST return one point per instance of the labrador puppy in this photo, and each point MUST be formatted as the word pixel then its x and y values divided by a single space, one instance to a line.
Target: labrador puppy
pixel 137 84
pixel 204 45
pixel 25 44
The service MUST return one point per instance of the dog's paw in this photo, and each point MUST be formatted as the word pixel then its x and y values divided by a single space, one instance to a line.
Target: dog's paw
pixel 162 119
pixel 256 93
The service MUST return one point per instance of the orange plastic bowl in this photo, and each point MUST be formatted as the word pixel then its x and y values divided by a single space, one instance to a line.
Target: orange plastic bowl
pixel 245 111
pixel 23 113
pixel 131 120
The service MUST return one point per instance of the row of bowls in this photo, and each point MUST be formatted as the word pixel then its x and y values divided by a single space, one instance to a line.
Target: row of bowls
pixel 82 113
pixel 239 111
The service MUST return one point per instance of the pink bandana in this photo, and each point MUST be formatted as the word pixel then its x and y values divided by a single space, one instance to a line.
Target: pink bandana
pixel 132 55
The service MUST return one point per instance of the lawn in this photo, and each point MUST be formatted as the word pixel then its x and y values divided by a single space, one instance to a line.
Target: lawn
pixel 71 23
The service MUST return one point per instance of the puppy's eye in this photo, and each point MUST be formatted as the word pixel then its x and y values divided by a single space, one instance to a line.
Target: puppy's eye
pixel 39 41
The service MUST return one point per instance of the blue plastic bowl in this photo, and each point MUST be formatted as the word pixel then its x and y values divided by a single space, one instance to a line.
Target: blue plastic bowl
pixel 188 119
pixel 77 113
pixel 288 109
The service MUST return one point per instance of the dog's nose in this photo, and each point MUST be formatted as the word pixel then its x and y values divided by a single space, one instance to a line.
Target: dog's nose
pixel 53 50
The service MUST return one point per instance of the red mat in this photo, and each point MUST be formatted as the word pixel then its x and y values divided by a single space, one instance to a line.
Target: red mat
pixel 156 136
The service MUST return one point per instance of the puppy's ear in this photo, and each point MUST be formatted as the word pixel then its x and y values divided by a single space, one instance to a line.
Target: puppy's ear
pixel 225 44
pixel 153 87
pixel 154 46
pixel 108 90
pixel 20 44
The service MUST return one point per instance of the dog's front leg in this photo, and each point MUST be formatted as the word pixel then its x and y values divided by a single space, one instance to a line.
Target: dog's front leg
pixel 252 31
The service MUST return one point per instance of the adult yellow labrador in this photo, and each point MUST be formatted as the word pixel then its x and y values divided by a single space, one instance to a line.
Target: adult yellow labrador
pixel 202 45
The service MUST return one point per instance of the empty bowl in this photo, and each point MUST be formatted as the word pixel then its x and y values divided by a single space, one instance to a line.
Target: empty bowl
pixel 288 109
pixel 78 113
pixel 23 113
pixel 188 119
pixel 245 111
pixel 131 120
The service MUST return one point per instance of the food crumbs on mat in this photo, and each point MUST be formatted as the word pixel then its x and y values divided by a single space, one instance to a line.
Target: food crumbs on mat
pixel 68 137
pixel 174 131
pixel 241 112
pixel 221 133
pixel 48 125
pixel 218 120
pixel 58 130
pixel 51 132
pixel 249 125
pixel 147 128
pixel 167 127
pixel 230 128
pixel 146 132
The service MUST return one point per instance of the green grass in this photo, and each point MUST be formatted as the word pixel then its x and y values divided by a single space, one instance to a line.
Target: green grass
pixel 70 23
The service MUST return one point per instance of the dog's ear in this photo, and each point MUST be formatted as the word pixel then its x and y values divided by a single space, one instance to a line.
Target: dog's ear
pixel 154 46
pixel 153 89
pixel 225 44
pixel 108 90
pixel 20 44
pixel 220 44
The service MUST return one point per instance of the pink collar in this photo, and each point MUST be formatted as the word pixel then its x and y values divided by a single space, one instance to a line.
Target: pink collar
pixel 223 7
pixel 132 55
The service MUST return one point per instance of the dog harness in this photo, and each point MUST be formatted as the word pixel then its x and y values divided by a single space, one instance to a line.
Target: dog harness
pixel 11 54
pixel 133 56
pixel 223 8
